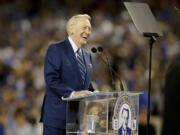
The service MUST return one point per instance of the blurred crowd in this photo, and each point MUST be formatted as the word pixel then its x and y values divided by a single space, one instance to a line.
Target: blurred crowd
pixel 28 27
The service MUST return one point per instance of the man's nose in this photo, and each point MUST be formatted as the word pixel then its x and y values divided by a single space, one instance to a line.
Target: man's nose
pixel 88 31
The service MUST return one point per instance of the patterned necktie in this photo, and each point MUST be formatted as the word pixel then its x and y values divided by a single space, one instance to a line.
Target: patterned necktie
pixel 81 64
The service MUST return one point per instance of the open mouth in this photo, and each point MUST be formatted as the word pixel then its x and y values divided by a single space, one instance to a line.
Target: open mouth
pixel 85 38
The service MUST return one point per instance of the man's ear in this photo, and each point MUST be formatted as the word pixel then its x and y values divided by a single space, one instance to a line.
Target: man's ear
pixel 71 30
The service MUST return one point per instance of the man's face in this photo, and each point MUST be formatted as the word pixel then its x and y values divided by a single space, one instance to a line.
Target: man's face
pixel 124 119
pixel 81 31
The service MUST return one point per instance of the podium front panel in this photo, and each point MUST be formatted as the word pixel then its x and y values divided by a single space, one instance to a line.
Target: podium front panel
pixel 103 114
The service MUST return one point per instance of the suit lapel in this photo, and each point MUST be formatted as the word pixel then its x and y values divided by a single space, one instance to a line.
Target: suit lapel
pixel 71 55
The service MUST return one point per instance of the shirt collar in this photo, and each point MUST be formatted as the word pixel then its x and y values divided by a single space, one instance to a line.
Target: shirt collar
pixel 74 46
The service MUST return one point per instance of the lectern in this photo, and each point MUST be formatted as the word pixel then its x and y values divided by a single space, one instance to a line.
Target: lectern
pixel 103 113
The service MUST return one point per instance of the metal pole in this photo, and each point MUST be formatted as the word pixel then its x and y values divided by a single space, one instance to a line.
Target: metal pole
pixel 152 40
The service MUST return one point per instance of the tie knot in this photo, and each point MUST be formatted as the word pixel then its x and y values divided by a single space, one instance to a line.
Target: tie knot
pixel 79 52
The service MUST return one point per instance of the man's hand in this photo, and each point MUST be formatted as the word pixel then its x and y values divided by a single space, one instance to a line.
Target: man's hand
pixel 81 93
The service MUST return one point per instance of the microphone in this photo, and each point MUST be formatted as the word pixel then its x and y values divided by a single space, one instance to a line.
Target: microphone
pixel 111 70
pixel 100 49
pixel 94 50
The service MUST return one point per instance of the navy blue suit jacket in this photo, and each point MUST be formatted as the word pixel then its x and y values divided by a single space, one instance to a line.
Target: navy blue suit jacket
pixel 62 77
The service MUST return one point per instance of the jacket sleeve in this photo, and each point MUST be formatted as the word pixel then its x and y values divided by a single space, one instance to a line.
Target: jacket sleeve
pixel 52 73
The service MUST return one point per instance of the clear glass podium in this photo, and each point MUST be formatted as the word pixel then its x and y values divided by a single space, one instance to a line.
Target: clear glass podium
pixel 103 113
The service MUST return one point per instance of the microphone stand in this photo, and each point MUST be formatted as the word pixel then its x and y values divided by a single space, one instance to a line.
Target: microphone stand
pixel 112 71
pixel 112 78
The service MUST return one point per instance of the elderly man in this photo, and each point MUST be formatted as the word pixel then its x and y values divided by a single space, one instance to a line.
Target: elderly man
pixel 67 72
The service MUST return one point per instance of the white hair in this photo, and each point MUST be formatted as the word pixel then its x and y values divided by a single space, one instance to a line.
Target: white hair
pixel 73 20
